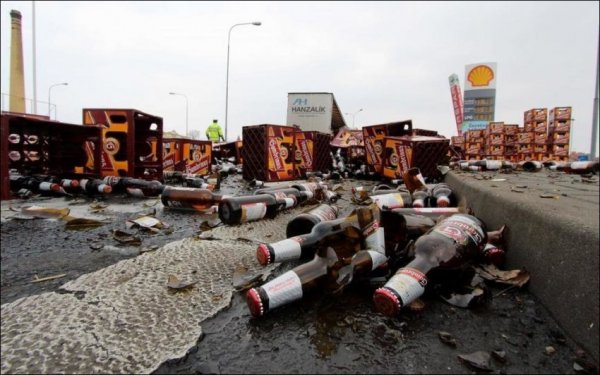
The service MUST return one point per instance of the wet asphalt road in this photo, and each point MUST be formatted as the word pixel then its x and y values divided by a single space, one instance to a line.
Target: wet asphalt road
pixel 319 334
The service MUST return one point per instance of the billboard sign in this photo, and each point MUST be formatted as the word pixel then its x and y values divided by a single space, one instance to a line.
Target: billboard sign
pixel 456 101
pixel 310 111
pixel 479 102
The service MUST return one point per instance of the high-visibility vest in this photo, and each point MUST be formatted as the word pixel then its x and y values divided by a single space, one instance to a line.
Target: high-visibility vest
pixel 214 131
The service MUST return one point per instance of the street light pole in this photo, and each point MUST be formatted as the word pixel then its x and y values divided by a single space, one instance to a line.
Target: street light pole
pixel 50 90
pixel 186 110
pixel 227 79
pixel 353 114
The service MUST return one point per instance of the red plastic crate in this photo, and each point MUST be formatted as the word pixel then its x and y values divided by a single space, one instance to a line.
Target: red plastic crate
pixel 33 146
pixel 268 152
pixel 403 153
pixel 187 155
pixel 373 137
pixel 132 142
pixel 312 152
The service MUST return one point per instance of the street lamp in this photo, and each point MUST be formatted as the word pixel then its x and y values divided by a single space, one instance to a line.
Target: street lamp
pixel 50 90
pixel 186 111
pixel 227 80
pixel 353 114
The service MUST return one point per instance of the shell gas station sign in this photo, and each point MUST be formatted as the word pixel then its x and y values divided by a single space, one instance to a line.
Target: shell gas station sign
pixel 479 102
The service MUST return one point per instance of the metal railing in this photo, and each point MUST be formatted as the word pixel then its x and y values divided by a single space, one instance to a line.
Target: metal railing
pixel 42 106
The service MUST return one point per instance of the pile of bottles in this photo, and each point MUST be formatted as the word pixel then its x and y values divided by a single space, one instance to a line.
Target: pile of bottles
pixel 371 242
pixel 571 167
pixel 26 186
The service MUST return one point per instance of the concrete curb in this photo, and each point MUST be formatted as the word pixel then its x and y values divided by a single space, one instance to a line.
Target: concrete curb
pixel 556 240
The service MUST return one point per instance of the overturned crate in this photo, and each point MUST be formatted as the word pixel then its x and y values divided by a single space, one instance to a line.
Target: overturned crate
pixel 187 155
pixel 403 153
pixel 269 152
pixel 36 146
pixel 312 152
pixel 132 142
pixel 373 137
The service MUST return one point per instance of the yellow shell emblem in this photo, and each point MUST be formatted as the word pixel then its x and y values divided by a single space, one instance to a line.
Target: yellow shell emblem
pixel 481 75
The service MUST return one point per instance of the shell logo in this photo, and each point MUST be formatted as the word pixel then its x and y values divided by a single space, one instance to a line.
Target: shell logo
pixel 481 75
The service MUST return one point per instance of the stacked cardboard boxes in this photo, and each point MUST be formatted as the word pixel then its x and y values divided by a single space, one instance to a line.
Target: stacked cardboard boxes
pixel 474 144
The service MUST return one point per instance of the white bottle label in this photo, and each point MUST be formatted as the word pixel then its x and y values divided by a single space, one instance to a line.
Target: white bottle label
pixel 409 283
pixel 325 213
pixel 377 259
pixel 375 238
pixel 45 186
pixel 579 164
pixel 493 164
pixel 283 289
pixel 460 228
pixel 253 211
pixel 393 200
pixel 288 249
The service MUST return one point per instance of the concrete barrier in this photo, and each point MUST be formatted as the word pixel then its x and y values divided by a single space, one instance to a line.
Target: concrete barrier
pixel 552 231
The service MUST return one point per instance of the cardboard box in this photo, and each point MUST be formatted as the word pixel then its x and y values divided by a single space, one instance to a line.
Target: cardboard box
pixel 525 137
pixel 539 148
pixel 540 114
pixel 197 156
pixel 560 150
pixel 511 129
pixel 496 139
pixel 529 127
pixel 560 126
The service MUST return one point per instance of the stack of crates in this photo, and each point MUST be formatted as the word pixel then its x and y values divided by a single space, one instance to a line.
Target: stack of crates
pixel 269 152
pixel 540 131
pixel 494 141
pixel 187 155
pixel 559 132
pixel 36 146
pixel 312 152
pixel 474 144
pixel 132 142
pixel 510 142
pixel 373 137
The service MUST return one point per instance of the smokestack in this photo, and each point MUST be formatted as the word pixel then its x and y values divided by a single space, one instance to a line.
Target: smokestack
pixel 17 77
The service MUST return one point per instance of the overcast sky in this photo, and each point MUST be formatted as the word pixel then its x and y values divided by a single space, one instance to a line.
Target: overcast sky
pixel 392 59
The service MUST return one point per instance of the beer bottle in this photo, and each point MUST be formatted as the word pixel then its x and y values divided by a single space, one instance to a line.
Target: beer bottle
pixel 236 210
pixel 34 184
pixel 186 198
pixel 291 197
pixel 396 199
pixel 305 221
pixel 451 243
pixel 303 245
pixel 441 193
pixel 134 186
pixel 292 285
pixel 420 197
pixel 93 186
pixel 581 167
pixel 413 180
pixel 531 165
pixel 431 212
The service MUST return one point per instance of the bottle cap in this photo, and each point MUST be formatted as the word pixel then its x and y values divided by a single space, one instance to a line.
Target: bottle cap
pixel 254 302
pixel 263 254
pixel 386 302
pixel 417 305
pixel 443 202
pixel 107 189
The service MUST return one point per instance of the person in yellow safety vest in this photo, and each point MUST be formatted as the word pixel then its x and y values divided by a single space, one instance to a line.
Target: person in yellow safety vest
pixel 214 132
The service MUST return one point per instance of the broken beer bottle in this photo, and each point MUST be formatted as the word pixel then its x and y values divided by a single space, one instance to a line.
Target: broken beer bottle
pixel 305 221
pixel 451 243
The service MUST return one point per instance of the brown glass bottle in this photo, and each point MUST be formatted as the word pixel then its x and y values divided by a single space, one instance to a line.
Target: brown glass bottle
pixel 451 243
pixel 134 186
pixel 236 210
pixel 581 167
pixel 395 199
pixel 289 197
pixel 305 221
pixel 442 194
pixel 186 198
pixel 292 285
pixel 93 186
pixel 303 245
